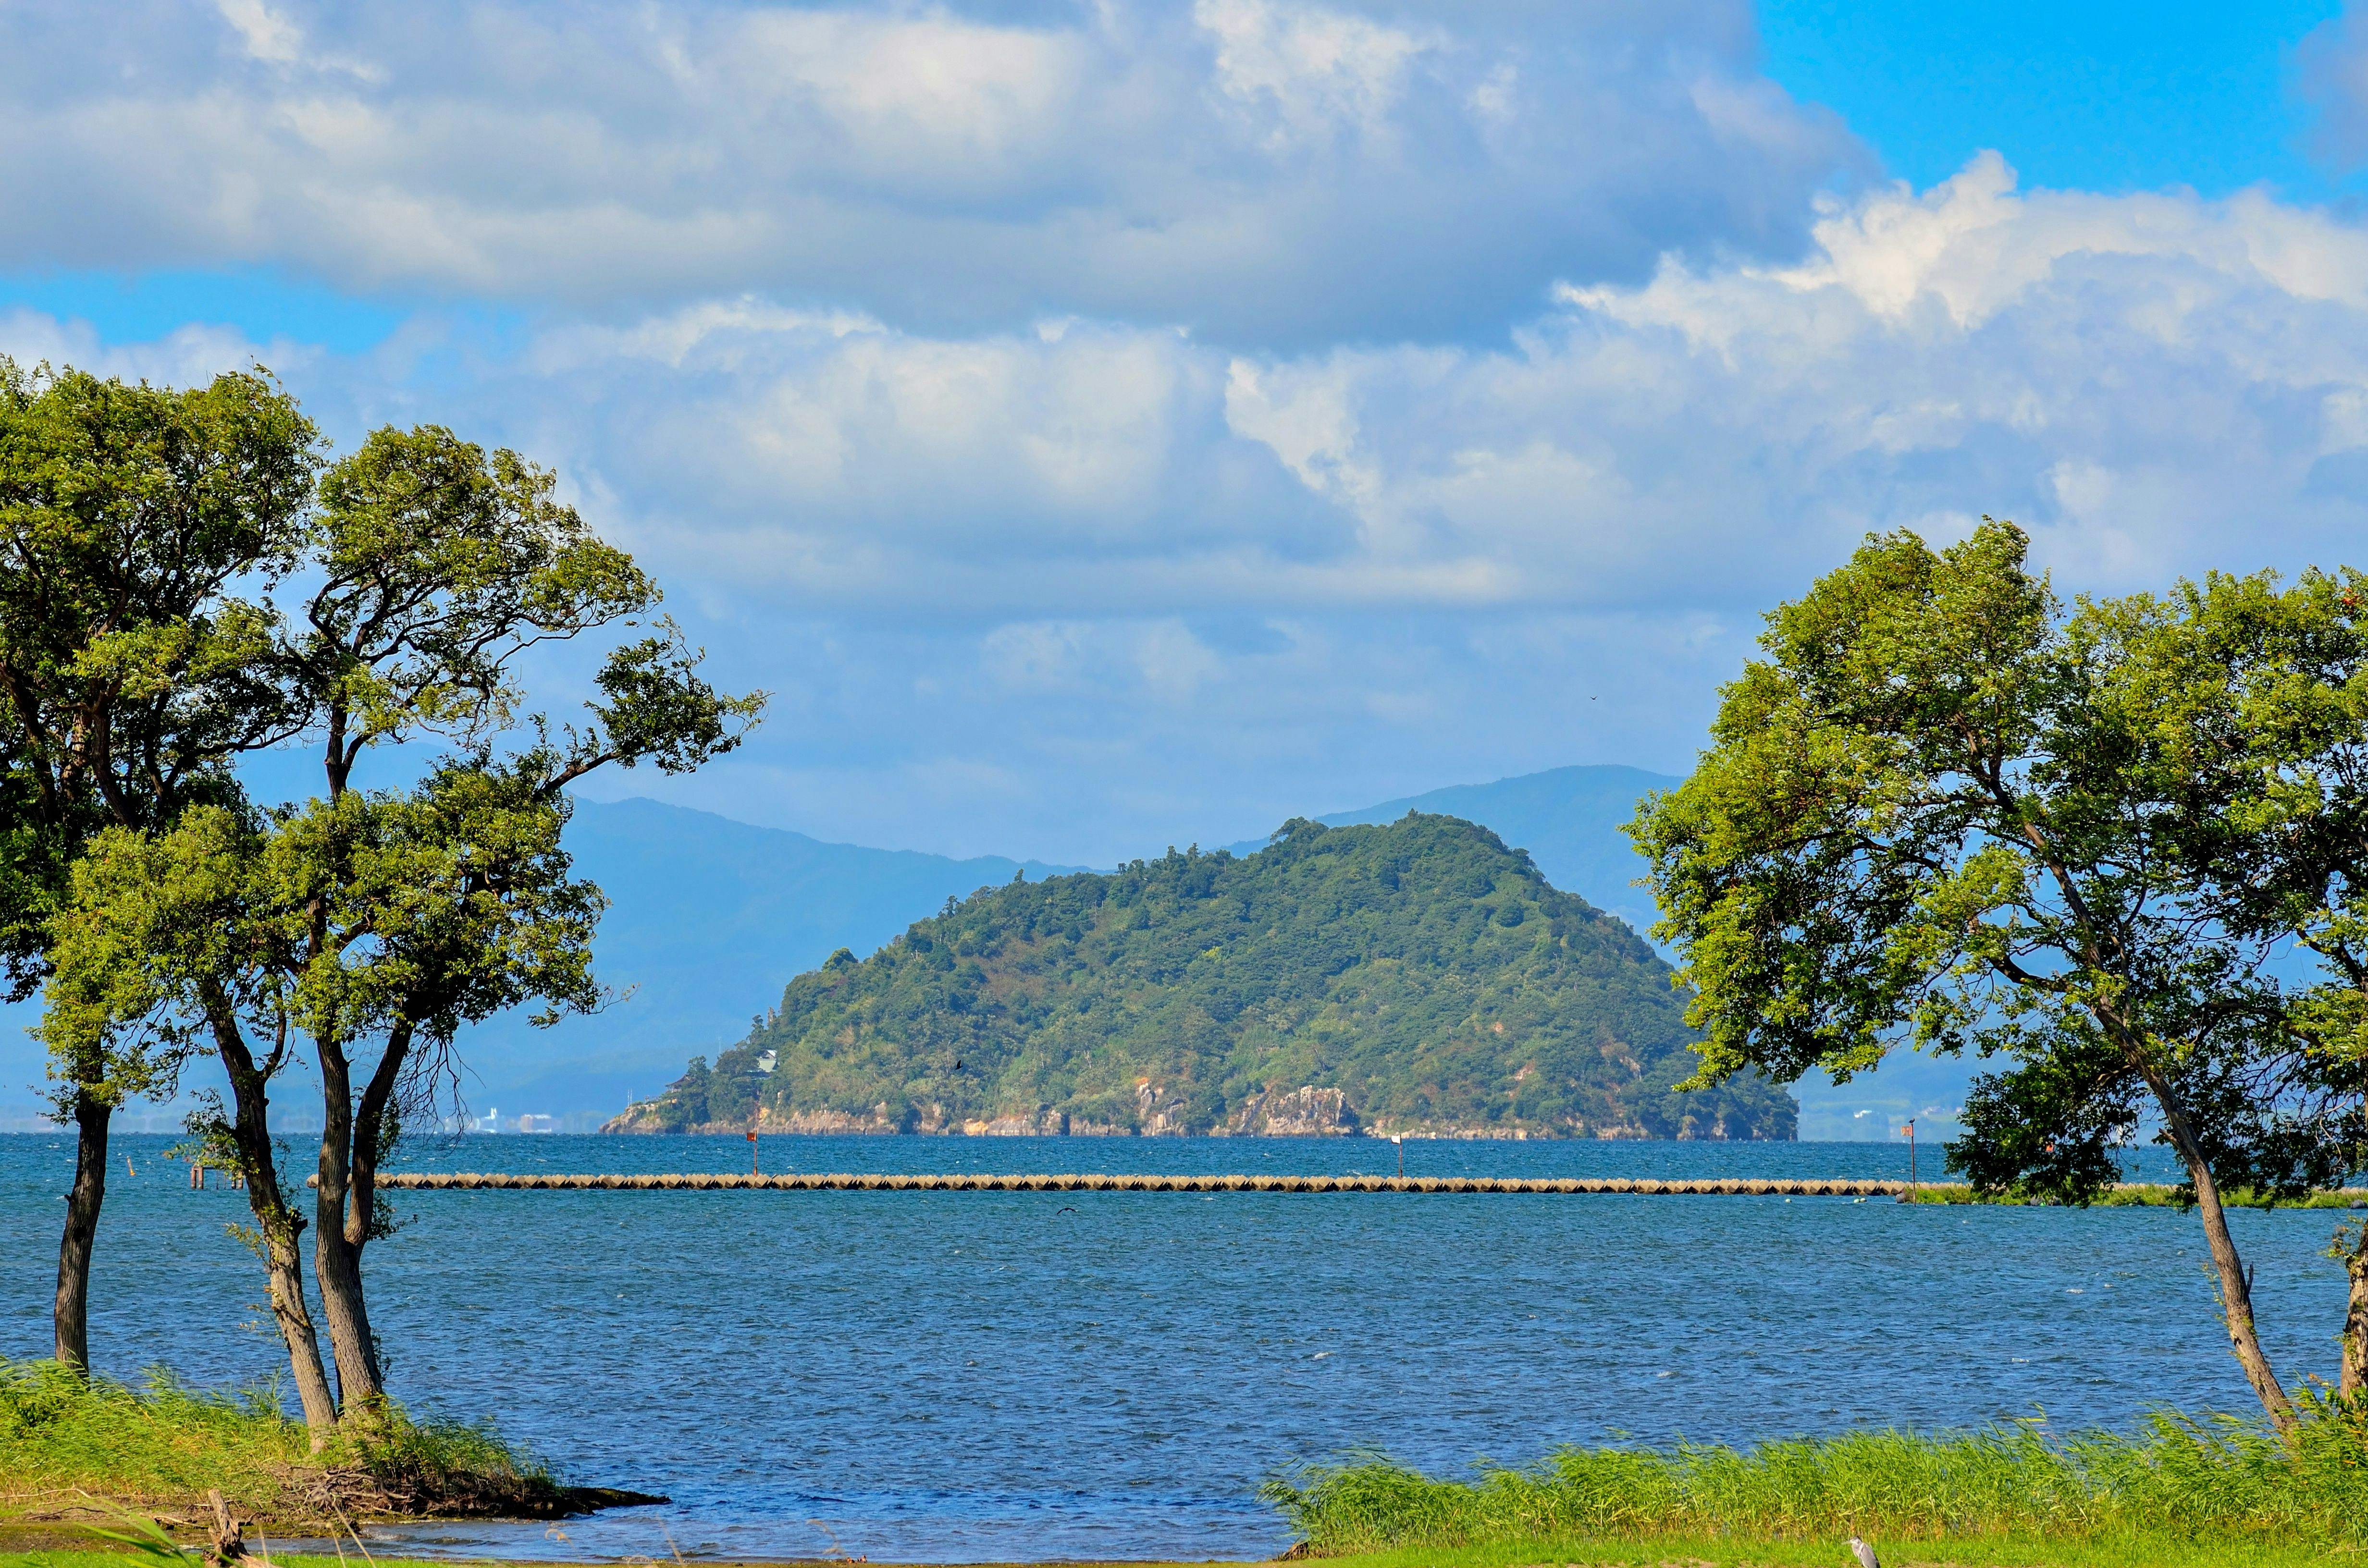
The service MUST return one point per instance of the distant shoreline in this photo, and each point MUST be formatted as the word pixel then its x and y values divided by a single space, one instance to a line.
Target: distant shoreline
pixel 622 1127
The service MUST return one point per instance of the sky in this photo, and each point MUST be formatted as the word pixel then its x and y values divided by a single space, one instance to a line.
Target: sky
pixel 1110 424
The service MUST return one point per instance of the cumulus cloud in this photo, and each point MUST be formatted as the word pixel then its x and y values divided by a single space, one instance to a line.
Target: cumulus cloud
pixel 187 356
pixel 1140 570
pixel 1277 172
pixel 1104 575
pixel 2153 383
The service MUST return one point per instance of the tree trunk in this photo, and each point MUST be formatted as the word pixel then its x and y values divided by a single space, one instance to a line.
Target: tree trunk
pixel 2236 1287
pixel 72 1314
pixel 2236 1302
pixel 2353 1380
pixel 337 1243
pixel 278 1226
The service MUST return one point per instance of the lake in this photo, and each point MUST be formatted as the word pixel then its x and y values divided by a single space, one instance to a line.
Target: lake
pixel 992 1376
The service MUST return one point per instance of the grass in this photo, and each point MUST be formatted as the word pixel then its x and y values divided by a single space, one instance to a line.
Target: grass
pixel 164 1444
pixel 1729 1551
pixel 2182 1493
pixel 1656 1552
pixel 2219 1487
pixel 2150 1195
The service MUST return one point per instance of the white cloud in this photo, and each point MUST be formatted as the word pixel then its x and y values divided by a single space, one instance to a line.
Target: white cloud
pixel 1141 572
pixel 1267 171
pixel 1144 572
pixel 2129 376
pixel 185 356
pixel 1307 75
pixel 268 36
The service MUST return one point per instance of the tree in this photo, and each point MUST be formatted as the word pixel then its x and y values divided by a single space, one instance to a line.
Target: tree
pixel 169 934
pixel 442 563
pixel 131 675
pixel 374 924
pixel 1944 812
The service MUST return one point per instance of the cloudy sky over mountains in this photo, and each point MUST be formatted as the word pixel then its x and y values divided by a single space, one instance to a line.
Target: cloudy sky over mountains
pixel 1105 424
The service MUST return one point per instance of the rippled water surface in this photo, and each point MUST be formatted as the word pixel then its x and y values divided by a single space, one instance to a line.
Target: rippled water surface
pixel 970 1375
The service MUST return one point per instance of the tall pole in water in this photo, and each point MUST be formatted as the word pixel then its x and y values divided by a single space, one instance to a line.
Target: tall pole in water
pixel 1911 1159
pixel 757 1114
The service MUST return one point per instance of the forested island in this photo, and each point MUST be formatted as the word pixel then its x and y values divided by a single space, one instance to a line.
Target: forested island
pixel 1415 978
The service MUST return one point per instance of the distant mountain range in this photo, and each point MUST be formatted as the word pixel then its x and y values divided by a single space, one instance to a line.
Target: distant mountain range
pixel 708 919
pixel 711 918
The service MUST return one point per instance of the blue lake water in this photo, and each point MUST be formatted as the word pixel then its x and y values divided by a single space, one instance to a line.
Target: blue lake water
pixel 976 1376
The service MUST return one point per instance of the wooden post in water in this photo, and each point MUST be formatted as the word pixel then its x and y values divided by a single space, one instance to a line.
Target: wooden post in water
pixel 1911 1159
pixel 756 1118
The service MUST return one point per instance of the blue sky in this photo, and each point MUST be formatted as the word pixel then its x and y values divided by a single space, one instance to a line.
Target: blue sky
pixel 1110 425
pixel 2103 94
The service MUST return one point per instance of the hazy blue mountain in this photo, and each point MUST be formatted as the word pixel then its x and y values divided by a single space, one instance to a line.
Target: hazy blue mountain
pixel 712 918
pixel 1568 818
pixel 708 919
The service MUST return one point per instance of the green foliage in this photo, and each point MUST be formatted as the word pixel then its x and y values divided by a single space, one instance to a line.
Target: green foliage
pixel 359 915
pixel 441 563
pixel 1943 812
pixel 130 674
pixel 1422 967
pixel 61 1433
pixel 361 924
pixel 2144 1195
pixel 1682 1550
pixel 2180 1478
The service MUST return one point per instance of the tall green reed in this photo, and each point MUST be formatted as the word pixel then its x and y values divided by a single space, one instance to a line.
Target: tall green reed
pixel 62 1434
pixel 2211 1476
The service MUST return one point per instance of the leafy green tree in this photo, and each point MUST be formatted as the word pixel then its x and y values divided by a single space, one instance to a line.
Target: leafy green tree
pixel 160 934
pixel 131 675
pixel 443 563
pixel 1944 812
pixel 374 925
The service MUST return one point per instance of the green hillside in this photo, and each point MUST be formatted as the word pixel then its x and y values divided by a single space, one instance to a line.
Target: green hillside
pixel 1417 976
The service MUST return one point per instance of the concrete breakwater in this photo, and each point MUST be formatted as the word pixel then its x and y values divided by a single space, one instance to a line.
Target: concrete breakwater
pixel 805 1182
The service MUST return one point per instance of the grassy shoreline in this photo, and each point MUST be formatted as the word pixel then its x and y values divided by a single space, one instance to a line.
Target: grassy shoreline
pixel 71 1447
pixel 1658 1552
pixel 2213 1483
pixel 1953 1552
pixel 2180 1493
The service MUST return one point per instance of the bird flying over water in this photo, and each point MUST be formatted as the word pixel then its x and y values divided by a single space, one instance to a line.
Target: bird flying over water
pixel 1863 1552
